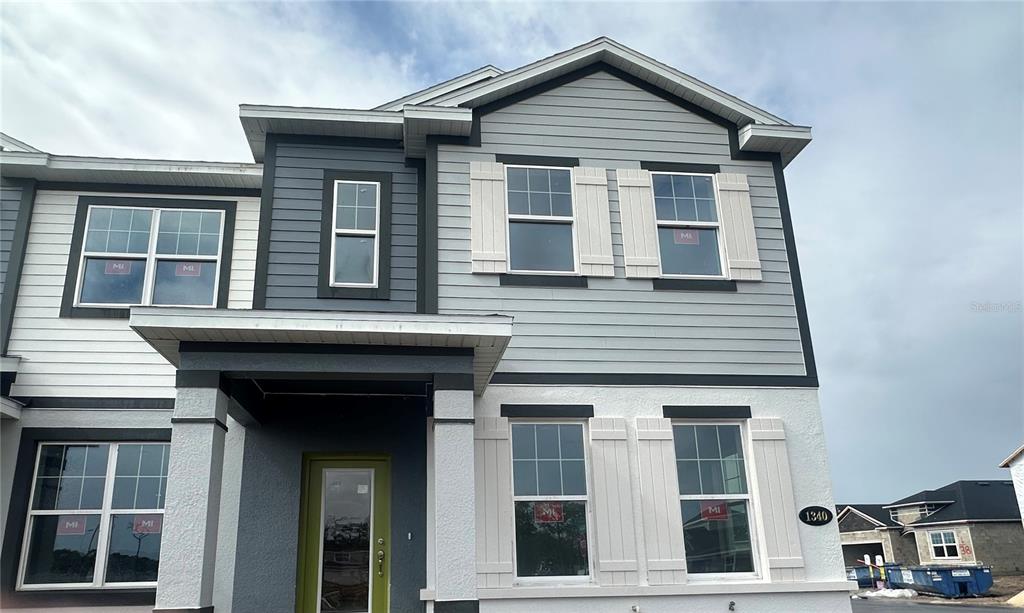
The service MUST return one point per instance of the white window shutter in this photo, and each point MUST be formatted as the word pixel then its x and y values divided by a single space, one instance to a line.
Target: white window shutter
pixel 778 509
pixel 659 487
pixel 494 524
pixel 613 502
pixel 738 227
pixel 639 226
pixel 593 222
pixel 488 219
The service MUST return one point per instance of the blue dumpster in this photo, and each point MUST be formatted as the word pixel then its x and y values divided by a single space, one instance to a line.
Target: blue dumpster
pixel 862 575
pixel 945 581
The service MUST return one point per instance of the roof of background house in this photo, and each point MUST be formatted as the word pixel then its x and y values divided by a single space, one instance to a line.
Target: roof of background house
pixel 1013 456
pixel 876 512
pixel 968 501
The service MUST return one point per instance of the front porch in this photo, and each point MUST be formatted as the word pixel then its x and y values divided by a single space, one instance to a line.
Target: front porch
pixel 260 394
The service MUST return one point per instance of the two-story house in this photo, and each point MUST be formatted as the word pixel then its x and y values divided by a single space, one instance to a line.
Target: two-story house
pixel 522 341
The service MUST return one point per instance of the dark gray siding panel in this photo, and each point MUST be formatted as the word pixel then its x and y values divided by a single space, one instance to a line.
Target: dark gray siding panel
pixel 295 226
pixel 10 200
pixel 619 325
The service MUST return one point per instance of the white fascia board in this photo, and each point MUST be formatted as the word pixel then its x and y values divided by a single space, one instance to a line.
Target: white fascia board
pixel 606 49
pixel 785 140
pixel 308 113
pixel 484 72
pixel 1013 456
pixel 9 143
pixel 446 113
pixel 48 167
pixel 10 408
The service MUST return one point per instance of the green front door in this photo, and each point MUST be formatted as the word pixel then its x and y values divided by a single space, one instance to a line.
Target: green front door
pixel 344 548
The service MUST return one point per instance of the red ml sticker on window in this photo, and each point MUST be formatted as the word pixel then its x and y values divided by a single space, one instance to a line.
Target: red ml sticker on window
pixel 548 513
pixel 116 267
pixel 147 524
pixel 188 269
pixel 683 236
pixel 71 525
pixel 714 511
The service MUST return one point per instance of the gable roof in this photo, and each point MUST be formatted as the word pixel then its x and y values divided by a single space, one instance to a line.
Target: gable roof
pixel 9 143
pixel 967 501
pixel 444 87
pixel 874 513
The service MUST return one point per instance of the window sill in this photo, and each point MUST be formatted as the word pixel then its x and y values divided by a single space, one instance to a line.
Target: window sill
pixel 695 285
pixel 527 280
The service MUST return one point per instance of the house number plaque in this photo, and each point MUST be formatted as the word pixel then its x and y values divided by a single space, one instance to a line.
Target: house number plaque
pixel 816 516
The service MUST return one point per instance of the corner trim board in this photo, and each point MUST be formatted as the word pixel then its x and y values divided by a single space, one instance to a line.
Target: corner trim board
pixel 16 261
pixel 259 290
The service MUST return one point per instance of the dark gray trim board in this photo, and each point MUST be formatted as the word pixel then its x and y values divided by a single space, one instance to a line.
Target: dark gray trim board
pixel 453 381
pixel 456 606
pixel 694 285
pixel 536 160
pixel 706 412
pixel 208 609
pixel 314 348
pixel 65 402
pixel 421 242
pixel 708 169
pixel 547 410
pixel 542 280
pixel 428 266
pixel 16 263
pixel 383 238
pixel 200 420
pixel 17 514
pixel 67 305
pixel 627 379
pixel 259 290
pixel 137 188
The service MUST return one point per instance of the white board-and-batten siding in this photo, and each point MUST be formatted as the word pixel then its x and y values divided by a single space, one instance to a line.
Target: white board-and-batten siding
pixel 86 357
pixel 617 324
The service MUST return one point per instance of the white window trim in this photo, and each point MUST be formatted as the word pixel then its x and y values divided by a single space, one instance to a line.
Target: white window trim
pixel 375 233
pixel 590 577
pixel 103 535
pixel 955 544
pixel 151 257
pixel 752 507
pixel 554 219
pixel 723 264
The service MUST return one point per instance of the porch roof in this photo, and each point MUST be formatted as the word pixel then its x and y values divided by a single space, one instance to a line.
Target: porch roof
pixel 486 335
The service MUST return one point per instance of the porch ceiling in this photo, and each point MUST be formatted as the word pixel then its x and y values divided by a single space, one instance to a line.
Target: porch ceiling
pixel 487 335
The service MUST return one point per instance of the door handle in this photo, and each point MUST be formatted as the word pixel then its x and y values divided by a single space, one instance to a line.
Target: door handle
pixel 380 557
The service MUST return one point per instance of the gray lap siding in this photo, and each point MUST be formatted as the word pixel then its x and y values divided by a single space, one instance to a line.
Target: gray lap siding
pixel 293 269
pixel 621 325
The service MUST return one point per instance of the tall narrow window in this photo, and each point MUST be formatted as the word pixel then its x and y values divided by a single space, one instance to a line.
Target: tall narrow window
pixel 687 214
pixel 550 494
pixel 96 515
pixel 540 219
pixel 354 251
pixel 714 499
pixel 150 256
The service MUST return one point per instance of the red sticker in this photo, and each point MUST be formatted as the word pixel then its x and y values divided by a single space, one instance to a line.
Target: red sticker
pixel 148 524
pixel 548 513
pixel 714 511
pixel 685 236
pixel 117 267
pixel 71 525
pixel 188 269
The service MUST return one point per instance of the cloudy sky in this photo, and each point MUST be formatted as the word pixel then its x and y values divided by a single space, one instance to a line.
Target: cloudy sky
pixel 908 205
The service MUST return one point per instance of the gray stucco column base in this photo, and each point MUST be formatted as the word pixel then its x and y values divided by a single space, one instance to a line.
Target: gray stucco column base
pixel 189 545
pixel 454 498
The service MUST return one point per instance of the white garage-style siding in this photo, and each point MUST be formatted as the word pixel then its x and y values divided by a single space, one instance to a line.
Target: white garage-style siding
pixel 86 357
pixel 620 325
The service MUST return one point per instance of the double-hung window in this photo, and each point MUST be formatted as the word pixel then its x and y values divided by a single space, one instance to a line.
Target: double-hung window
pixel 150 256
pixel 540 219
pixel 714 498
pixel 688 225
pixel 550 497
pixel 944 545
pixel 96 516
pixel 354 250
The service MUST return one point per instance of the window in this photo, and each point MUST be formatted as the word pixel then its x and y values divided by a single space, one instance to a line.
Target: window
pixel 540 219
pixel 354 253
pixel 687 214
pixel 944 544
pixel 150 256
pixel 550 493
pixel 96 515
pixel 714 499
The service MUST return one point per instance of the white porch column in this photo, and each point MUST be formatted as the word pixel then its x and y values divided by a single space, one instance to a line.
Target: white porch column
pixel 454 501
pixel 189 545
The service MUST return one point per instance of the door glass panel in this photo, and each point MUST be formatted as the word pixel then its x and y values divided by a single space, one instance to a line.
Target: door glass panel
pixel 346 557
